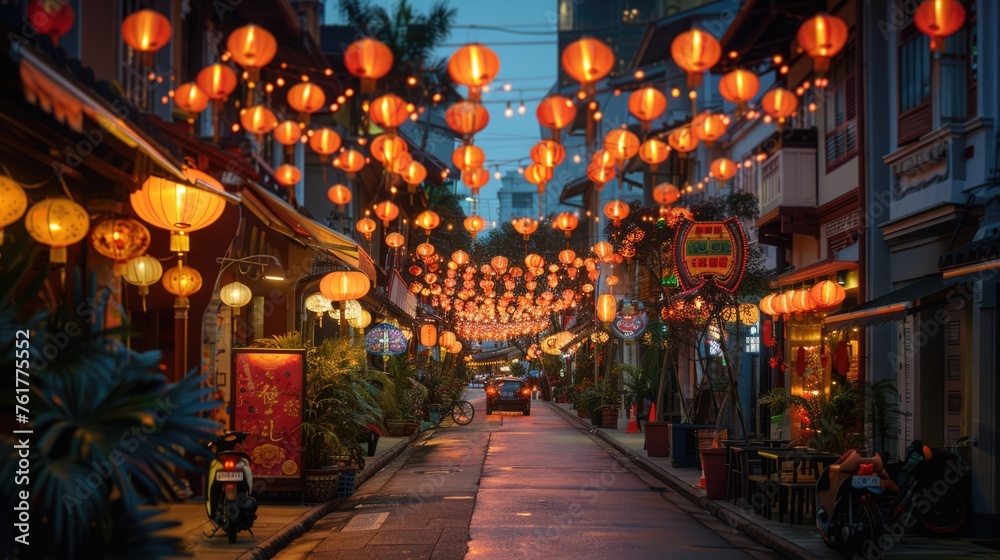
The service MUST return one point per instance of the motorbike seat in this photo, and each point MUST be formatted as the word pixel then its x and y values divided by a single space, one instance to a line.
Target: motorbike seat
pixel 851 463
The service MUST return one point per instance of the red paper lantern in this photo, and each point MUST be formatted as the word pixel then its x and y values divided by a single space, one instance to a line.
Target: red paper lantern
pixel 51 18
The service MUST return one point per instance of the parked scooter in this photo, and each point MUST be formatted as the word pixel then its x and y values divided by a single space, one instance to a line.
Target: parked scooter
pixel 859 503
pixel 230 481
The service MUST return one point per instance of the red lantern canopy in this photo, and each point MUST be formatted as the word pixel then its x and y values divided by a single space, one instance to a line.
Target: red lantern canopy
pixel 567 222
pixel 682 139
pixel 386 211
pixel 474 224
pixel 366 226
pixel 822 36
pixel 474 66
pixel 350 162
pixel 939 19
pixel 622 144
pixel 217 81
pixel 191 99
pixel 723 169
pixel 695 51
pixel 287 175
pixel 325 141
pixel 617 211
pixel 666 194
pixel 258 120
pixel 386 149
pixel 538 175
pixel 555 113
pixel 780 103
pixel 288 133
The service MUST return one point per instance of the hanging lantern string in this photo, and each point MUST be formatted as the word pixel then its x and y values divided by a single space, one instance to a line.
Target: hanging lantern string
pixel 7 172
pixel 62 181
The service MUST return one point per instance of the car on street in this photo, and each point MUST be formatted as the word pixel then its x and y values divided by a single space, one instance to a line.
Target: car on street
pixel 508 394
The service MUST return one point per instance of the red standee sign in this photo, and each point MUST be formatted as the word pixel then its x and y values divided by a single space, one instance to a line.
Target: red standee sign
pixel 267 403
pixel 710 252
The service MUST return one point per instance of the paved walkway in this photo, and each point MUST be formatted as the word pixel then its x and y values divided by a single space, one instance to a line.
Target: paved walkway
pixel 805 538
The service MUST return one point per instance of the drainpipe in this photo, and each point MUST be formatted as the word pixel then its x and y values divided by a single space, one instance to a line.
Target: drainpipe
pixel 860 68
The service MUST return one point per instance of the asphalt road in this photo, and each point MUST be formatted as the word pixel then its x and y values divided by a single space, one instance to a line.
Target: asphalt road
pixel 512 486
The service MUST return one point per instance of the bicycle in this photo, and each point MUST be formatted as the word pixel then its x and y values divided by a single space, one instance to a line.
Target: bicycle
pixel 458 411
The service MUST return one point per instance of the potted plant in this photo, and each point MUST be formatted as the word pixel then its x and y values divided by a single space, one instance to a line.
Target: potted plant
pixel 403 409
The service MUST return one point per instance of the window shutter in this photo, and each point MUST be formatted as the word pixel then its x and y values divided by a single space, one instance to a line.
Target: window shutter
pixel 850 99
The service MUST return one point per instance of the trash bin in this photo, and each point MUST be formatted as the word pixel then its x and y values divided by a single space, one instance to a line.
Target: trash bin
pixel 714 462
pixel 657 439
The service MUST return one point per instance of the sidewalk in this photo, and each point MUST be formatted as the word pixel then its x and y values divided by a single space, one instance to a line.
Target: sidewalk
pixel 276 525
pixel 793 541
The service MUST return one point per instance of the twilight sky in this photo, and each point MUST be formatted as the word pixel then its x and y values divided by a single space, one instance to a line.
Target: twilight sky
pixel 529 68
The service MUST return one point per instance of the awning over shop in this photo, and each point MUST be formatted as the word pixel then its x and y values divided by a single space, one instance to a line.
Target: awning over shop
pixel 498 354
pixel 892 306
pixel 69 101
pixel 283 218
pixel 825 267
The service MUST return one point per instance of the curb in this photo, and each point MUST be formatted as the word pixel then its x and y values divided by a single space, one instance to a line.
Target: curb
pixel 729 517
pixel 276 542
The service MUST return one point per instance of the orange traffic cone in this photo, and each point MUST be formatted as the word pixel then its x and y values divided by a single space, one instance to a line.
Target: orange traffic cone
pixel 652 412
pixel 633 422
pixel 701 483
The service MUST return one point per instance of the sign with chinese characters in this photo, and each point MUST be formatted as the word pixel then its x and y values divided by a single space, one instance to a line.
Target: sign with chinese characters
pixel 630 325
pixel 710 252
pixel 385 339
pixel 267 403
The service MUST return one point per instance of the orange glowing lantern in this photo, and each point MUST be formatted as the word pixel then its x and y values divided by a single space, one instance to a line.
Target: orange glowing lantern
pixel 474 224
pixel 428 334
pixel 367 227
pixel 567 256
pixel 803 300
pixel 939 19
pixel 765 304
pixel 822 36
pixel 413 175
pixel 587 60
pixel 401 163
pixel 709 126
pixel 287 175
pixel 446 340
pixel 740 87
pixel 538 175
pixel 386 211
pixel 780 103
pixel 555 113
pixel 142 271
pixel 350 162
pixel 325 141
pixel 607 308
pixel 600 175
pixel 288 133
pixel 181 281
pixel 120 239
pixel 617 211
pixel 389 111
pixel 306 98
pixel 468 156
pixel 368 59
pixel 58 223
pixel 695 51
pixel 723 169
pixel 602 158
pixel 427 220
pixel 666 194
pixel 567 222
pixel 475 179
pixel 647 104
pixel 191 99
pixel 339 195
pixel 146 31
pixel 548 153
pixel 525 226
pixel 622 144
pixel 682 139
pixel 603 250
pixel 178 207
pixel 467 118
pixel 343 285
pixel 253 48
pixel 258 120
pixel 474 66
pixel 827 293
pixel 217 81
pixel 654 152
pixel 386 148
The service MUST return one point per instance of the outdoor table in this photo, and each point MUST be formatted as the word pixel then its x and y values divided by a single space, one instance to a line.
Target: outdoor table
pixel 785 466
pixel 772 443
